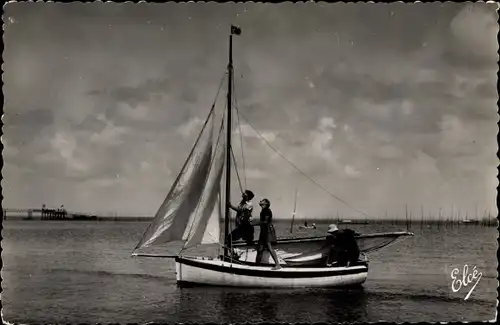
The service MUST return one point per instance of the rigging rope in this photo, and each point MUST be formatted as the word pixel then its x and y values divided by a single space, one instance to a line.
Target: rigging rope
pixel 236 168
pixel 301 172
pixel 239 128
pixel 220 87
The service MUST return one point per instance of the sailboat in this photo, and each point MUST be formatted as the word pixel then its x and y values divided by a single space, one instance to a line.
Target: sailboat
pixel 191 214
pixel 294 213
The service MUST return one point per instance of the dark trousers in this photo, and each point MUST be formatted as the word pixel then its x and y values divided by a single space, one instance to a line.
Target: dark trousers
pixel 244 231
pixel 342 256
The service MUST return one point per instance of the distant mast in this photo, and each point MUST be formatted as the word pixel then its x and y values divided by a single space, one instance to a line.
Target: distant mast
pixel 294 210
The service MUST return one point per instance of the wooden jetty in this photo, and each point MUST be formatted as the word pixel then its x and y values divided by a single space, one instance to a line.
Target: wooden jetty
pixel 45 214
pixel 63 214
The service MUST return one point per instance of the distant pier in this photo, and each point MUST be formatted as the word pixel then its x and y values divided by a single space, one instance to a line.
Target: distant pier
pixel 63 214
pixel 45 214
pixel 54 214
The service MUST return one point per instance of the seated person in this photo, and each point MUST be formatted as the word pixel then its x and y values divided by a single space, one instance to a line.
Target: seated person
pixel 343 246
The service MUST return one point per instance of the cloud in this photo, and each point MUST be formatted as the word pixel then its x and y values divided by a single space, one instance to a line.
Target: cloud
pixel 190 127
pixel 63 150
pixel 351 171
pixel 326 123
pixel 365 99
pixel 456 137
pixel 134 95
pixel 320 142
pixel 140 112
pixel 390 152
pixel 110 136
pixel 475 28
pixel 256 174
pixel 246 131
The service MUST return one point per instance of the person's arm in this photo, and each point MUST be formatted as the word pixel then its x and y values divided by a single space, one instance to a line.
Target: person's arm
pixel 233 207
pixel 330 251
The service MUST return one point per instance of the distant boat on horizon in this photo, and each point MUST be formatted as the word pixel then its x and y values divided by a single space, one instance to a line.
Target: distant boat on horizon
pixel 353 222
pixel 469 221
pixel 307 226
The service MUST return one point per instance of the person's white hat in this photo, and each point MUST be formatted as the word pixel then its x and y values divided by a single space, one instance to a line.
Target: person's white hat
pixel 332 228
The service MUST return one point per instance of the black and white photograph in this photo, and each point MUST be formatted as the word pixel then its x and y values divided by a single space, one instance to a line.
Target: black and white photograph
pixel 249 162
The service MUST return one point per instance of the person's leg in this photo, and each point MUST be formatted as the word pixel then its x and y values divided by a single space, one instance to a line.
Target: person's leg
pixel 353 256
pixel 343 257
pixel 273 254
pixel 260 250
pixel 332 256
pixel 248 234
pixel 356 255
pixel 233 236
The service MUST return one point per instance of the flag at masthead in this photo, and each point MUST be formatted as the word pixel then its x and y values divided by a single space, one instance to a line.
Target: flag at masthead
pixel 235 30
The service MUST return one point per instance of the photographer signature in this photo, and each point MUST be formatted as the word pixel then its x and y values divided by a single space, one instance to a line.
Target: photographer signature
pixel 465 280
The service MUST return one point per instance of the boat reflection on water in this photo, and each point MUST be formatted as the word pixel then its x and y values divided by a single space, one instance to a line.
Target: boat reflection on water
pixel 236 305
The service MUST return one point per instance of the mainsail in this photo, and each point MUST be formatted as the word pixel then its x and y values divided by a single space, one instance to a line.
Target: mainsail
pixel 203 226
pixel 182 204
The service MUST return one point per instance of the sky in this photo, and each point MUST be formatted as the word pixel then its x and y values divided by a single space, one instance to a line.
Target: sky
pixel 385 105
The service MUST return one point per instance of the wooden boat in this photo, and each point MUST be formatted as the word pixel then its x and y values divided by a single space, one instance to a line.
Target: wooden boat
pixel 190 215
pixel 227 273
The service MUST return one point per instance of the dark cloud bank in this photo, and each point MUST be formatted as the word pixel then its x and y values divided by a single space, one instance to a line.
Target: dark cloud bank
pixel 384 104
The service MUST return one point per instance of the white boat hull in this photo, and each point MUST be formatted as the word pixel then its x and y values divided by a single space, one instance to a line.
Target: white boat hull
pixel 216 272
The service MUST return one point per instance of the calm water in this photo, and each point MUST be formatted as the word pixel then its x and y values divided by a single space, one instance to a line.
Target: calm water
pixel 82 272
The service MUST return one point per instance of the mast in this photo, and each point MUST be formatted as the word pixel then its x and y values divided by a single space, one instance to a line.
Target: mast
pixel 294 210
pixel 406 216
pixel 234 30
pixel 422 215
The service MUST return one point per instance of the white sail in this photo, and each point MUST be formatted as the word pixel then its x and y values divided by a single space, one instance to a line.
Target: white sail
pixel 203 227
pixel 172 218
pixel 212 230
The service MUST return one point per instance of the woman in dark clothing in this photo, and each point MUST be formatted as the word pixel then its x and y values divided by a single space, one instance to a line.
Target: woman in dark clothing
pixel 267 234
pixel 243 216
